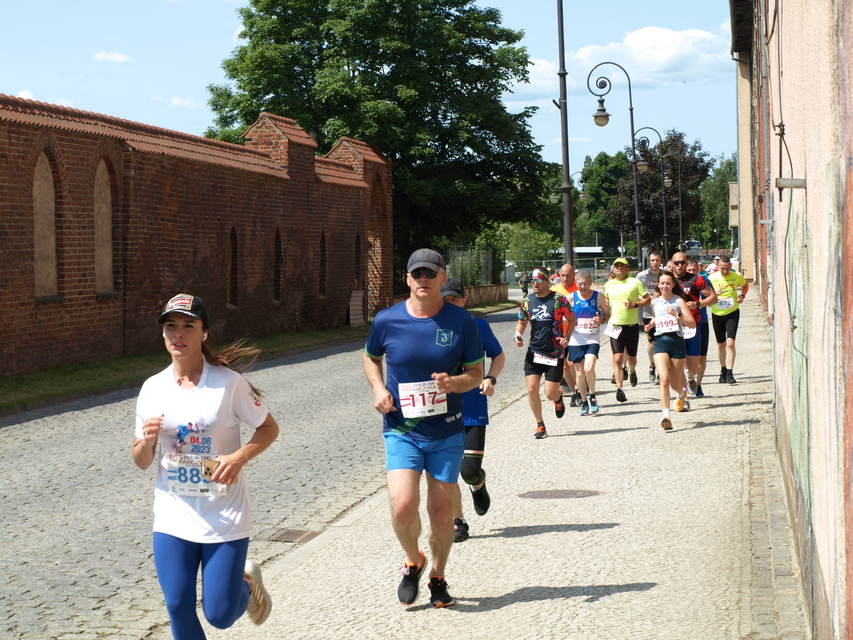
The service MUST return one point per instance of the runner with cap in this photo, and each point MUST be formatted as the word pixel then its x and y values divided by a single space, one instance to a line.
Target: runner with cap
pixel 551 323
pixel 434 355
pixel 475 415
pixel 624 295
pixel 188 420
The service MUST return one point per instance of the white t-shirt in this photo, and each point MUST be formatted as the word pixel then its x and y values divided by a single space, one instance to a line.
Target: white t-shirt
pixel 203 422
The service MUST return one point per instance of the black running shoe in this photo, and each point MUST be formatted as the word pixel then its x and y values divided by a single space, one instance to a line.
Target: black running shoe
pixel 481 498
pixel 723 375
pixel 632 378
pixel 620 396
pixel 560 408
pixel 576 399
pixel 540 432
pixel 730 378
pixel 438 595
pixel 407 592
pixel 460 530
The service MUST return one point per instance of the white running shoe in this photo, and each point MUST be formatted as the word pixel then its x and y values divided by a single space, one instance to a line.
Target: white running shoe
pixel 260 603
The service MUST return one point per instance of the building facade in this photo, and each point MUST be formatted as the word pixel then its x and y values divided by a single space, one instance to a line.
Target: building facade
pixel 795 109
pixel 102 220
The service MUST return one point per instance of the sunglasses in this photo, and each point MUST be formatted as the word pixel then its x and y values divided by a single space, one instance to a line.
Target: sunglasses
pixel 679 262
pixel 423 272
pixel 540 280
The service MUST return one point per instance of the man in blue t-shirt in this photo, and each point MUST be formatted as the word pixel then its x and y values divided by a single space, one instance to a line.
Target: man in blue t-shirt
pixel 434 355
pixel 475 415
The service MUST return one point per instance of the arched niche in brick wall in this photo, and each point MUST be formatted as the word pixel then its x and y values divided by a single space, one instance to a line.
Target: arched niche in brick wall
pixel 44 228
pixel 103 230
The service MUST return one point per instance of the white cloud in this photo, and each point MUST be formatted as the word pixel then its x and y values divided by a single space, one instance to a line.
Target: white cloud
pixel 65 102
pixel 659 56
pixel 103 56
pixel 27 94
pixel 184 103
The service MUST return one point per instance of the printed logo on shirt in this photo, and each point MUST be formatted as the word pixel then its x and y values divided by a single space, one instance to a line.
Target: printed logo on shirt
pixel 255 398
pixel 541 312
pixel 192 435
pixel 444 338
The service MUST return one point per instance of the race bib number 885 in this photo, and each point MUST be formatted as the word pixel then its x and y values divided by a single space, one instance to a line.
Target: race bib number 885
pixel 184 476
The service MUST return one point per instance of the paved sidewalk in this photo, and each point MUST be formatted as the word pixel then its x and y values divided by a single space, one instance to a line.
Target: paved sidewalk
pixel 609 528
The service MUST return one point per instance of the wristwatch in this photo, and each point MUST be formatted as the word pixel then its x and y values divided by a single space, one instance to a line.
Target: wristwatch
pixel 492 378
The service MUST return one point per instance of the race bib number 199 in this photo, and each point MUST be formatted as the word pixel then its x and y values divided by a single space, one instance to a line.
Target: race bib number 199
pixel 421 399
pixel 666 324
pixel 184 477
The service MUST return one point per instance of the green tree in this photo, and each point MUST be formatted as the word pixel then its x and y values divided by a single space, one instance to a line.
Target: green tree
pixel 713 227
pixel 595 216
pixel 421 79
pixel 694 166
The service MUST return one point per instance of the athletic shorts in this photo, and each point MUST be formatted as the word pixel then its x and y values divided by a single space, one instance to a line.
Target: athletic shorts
pixel 552 374
pixel 578 352
pixel 439 458
pixel 671 344
pixel 704 331
pixel 627 340
pixel 650 334
pixel 693 346
pixel 726 326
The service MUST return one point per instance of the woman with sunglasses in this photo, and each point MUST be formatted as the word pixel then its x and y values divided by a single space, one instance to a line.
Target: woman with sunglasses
pixel 671 315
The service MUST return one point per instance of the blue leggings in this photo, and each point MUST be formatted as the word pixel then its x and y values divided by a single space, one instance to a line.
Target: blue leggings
pixel 225 594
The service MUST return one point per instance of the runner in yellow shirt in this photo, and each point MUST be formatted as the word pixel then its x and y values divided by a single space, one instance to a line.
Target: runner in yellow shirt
pixel 725 315
pixel 624 295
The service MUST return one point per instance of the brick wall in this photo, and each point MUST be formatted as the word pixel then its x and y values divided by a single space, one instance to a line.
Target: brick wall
pixel 176 199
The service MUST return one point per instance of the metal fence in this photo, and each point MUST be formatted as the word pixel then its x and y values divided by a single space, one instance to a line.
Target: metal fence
pixel 599 267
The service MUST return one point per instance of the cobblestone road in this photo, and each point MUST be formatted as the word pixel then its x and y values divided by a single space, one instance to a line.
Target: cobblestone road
pixel 77 512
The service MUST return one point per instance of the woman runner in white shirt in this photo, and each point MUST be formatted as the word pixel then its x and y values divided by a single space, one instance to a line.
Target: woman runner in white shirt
pixel 202 515
pixel 670 316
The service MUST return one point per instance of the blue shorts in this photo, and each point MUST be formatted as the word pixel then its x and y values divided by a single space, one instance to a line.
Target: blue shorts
pixel 578 352
pixel 439 458
pixel 698 344
pixel 693 346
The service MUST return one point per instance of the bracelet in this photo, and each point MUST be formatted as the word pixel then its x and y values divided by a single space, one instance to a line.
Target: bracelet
pixel 492 378
pixel 244 455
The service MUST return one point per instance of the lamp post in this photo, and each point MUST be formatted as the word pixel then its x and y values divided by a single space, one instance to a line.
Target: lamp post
pixel 601 118
pixel 643 143
pixel 568 241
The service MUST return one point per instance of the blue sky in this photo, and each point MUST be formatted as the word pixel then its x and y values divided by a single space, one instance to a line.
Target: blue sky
pixel 152 60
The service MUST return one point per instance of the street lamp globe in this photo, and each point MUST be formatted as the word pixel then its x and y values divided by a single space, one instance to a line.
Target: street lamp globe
pixel 642 165
pixel 601 117
pixel 667 180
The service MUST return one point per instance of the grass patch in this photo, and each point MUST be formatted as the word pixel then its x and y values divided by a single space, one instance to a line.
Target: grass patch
pixel 68 381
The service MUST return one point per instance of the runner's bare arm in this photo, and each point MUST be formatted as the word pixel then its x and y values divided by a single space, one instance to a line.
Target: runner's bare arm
pixel 383 401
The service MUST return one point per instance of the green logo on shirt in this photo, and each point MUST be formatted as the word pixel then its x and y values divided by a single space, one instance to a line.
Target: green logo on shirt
pixel 444 338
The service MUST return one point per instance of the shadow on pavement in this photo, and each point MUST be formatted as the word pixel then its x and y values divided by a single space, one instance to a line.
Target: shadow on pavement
pixel 521 532
pixel 590 593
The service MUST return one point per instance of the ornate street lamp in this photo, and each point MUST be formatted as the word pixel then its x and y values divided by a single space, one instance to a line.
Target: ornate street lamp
pixel 643 143
pixel 601 118
pixel 568 241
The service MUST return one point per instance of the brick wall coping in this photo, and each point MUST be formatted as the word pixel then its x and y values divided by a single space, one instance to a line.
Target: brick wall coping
pixel 139 137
